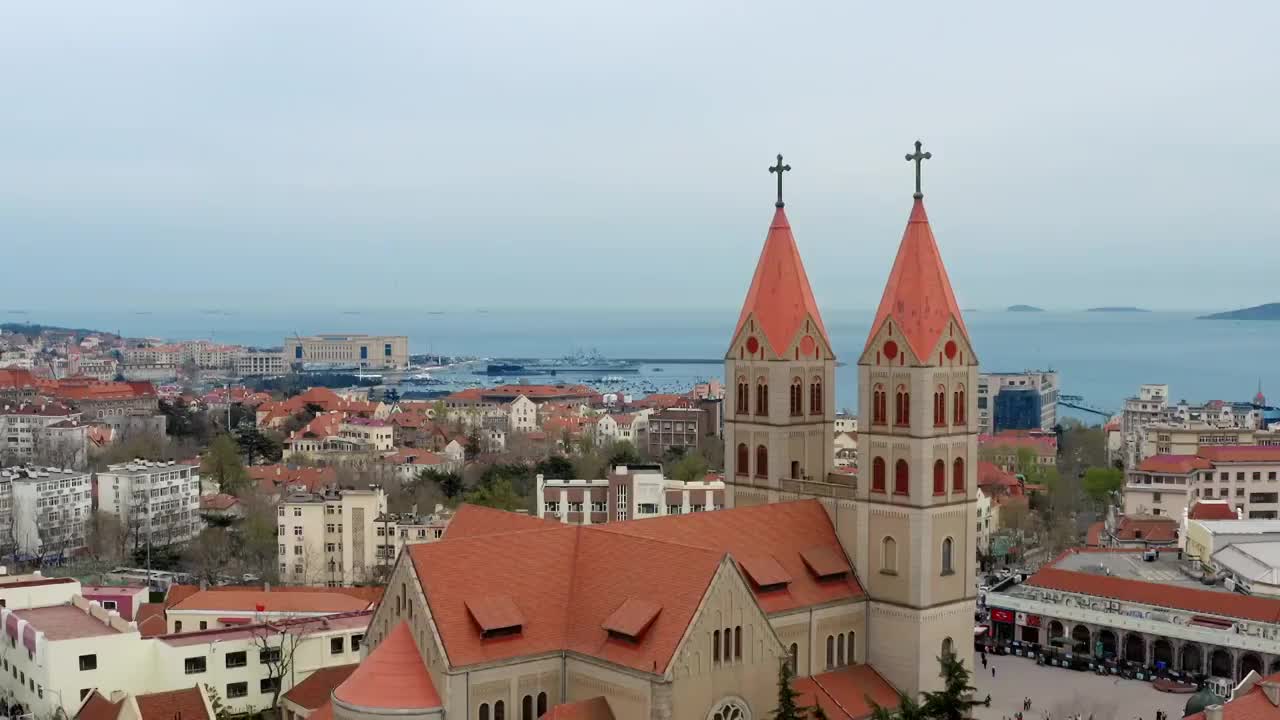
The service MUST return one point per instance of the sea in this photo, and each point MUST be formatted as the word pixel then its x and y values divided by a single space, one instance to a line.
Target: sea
pixel 1101 356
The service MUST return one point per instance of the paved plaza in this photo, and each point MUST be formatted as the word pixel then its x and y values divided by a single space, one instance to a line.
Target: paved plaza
pixel 1060 693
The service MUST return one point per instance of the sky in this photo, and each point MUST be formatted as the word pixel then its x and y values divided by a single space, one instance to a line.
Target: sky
pixel 614 154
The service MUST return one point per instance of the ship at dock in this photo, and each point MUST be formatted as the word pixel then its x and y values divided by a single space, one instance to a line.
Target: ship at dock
pixel 577 363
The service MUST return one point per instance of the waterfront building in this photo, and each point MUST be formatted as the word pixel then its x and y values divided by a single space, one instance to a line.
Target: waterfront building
pixel 629 492
pixel 252 363
pixel 376 352
pixel 330 537
pixel 157 502
pixel 1017 401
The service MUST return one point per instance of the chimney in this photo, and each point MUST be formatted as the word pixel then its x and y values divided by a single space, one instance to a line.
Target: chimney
pixel 266 587
pixel 1213 712
pixel 204 584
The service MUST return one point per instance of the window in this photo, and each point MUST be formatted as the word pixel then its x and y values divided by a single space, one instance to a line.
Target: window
pixel 355 642
pixel 337 645
pixel 743 395
pixel 88 662
pixel 831 652
pixel 743 459
pixel 958 406
pixel 889 556
pixel 297 512
pixel 902 407
pixel 795 397
pixel 715 646
pixel 268 656
pixel 526 708
pixel 542 704
pixel 237 659
pixel 484 711
pixel 795 469
pixel 958 483
pixel 237 689
pixel 901 478
pixel 762 397
pixel 177 626
pixel 852 657
pixel 948 648
pixel 878 405
pixel 194 665
pixel 946 557
pixel 499 710
pixel 728 644
pixel 793 658
pixel 762 462
pixel 815 396
pixel 939 477
pixel 877 475
pixel 204 624
pixel 268 684
pixel 840 650
pixel 737 642
pixel 940 407
pixel 108 604
pixel 297 530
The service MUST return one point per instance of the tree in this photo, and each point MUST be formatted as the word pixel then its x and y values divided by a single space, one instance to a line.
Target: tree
pixel 277 643
pixel 472 446
pixel 788 707
pixel 693 466
pixel 209 555
pixel 954 701
pixel 908 709
pixel 622 452
pixel 556 466
pixel 222 463
pixel 496 494
pixel 1101 482
pixel 256 444
pixel 220 711
pixel 106 540
pixel 450 483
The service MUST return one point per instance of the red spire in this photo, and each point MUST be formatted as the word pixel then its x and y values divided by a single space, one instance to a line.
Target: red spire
pixel 780 298
pixel 918 296
pixel 392 677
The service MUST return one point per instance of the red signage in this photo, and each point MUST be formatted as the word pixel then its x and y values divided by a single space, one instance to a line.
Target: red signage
pixel 1004 616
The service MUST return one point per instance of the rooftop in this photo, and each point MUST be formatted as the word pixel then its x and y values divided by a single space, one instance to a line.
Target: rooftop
pixel 1128 564
pixel 1241 527
pixel 185 704
pixel 64 622
pixel 314 691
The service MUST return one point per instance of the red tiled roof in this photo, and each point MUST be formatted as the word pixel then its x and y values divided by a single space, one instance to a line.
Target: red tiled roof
pixel 97 707
pixel 179 594
pixel 918 295
pixel 1173 464
pixel 391 677
pixel 494 612
pixel 1150 528
pixel 317 601
pixel 64 622
pixel 1211 510
pixel 472 520
pixel 413 456
pixel 596 708
pixel 324 712
pixel 763 569
pixel 1210 602
pixel 220 501
pixel 151 620
pixel 1252 705
pixel 825 561
pixel 633 616
pixel 312 478
pixel 780 299
pixel 1093 537
pixel 843 694
pixel 1240 453
pixel 314 691
pixel 185 704
pixel 990 474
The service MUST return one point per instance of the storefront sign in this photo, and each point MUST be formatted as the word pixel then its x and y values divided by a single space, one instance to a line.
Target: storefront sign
pixel 1004 616
pixel 1028 619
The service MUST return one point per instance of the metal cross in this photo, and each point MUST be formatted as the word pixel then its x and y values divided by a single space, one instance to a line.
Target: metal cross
pixel 779 168
pixel 918 157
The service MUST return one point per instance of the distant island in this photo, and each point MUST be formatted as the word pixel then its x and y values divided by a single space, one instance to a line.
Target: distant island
pixel 1024 308
pixel 1117 308
pixel 1269 311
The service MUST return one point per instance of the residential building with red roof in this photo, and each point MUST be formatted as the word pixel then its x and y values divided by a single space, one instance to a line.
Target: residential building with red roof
pixel 1246 476
pixel 279 479
pixel 1004 448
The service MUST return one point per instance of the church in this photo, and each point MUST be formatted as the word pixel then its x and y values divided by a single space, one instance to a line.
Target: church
pixel 857 583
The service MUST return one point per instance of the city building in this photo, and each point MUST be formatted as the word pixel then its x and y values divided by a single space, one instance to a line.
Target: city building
pixel 1248 476
pixel 377 352
pixel 1004 448
pixel 43 511
pixel 157 502
pixel 409 528
pixel 48 433
pixel 684 429
pixel 1149 406
pixel 1169 439
pixel 1206 538
pixel 329 537
pixel 1255 698
pixel 1017 401
pixel 1119 605
pixel 108 400
pixel 192 703
pixel 629 492
pixel 250 363
pixel 192 609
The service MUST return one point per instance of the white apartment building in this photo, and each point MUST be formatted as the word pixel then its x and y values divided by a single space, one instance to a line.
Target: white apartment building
pixel 159 501
pixel 522 415
pixel 382 352
pixel 43 510
pixel 259 362
pixel 1151 405
pixel 368 435
pixel 990 385
pixel 408 529
pixel 846 423
pixel 1245 476
pixel 635 492
pixel 25 432
pixel 329 538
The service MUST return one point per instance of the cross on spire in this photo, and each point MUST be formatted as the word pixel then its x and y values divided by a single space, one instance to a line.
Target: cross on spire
pixel 919 157
pixel 779 168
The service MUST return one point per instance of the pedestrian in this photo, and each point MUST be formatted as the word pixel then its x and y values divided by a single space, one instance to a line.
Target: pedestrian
pixel 993 671
pixel 984 662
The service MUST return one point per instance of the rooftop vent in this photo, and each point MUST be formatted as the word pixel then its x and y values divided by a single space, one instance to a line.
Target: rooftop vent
pixel 495 615
pixel 632 618
pixel 825 562
pixel 765 571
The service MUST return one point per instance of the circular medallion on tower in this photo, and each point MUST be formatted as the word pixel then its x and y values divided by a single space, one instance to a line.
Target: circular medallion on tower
pixel 753 345
pixel 950 349
pixel 808 347
pixel 891 349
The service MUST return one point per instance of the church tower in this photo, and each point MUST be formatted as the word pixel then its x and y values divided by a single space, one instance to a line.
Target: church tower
pixel 917 457
pixel 780 375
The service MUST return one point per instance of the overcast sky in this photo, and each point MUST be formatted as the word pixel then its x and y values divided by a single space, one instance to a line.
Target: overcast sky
pixel 614 154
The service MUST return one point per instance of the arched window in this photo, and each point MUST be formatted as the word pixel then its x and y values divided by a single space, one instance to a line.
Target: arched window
pixel 796 397
pixel 939 478
pixel 902 407
pixel 958 483
pixel 730 709
pixel 744 394
pixel 715 646
pixel 484 711
pixel 542 704
pixel 815 396
pixel 526 708
pixel 831 652
pixel 728 644
pixel 840 650
pixel 958 406
pixel 946 557
pixel 737 642
pixel 877 475
pixel 762 397
pixel 878 415
pixel 793 657
pixel 901 478
pixel 889 556
pixel 499 710
pixel 744 457
pixel 853 658
pixel 948 648
pixel 762 461
pixel 940 407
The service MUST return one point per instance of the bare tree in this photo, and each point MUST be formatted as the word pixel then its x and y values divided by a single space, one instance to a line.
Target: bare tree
pixel 106 540
pixel 209 556
pixel 277 643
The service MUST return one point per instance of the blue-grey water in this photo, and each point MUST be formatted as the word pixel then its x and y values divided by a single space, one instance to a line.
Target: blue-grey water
pixel 1101 356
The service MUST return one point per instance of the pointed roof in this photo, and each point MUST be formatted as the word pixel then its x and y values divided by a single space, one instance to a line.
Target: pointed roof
pixel 918 295
pixel 392 677
pixel 780 297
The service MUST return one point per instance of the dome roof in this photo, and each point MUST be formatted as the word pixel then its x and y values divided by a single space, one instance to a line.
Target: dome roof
pixel 1201 700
